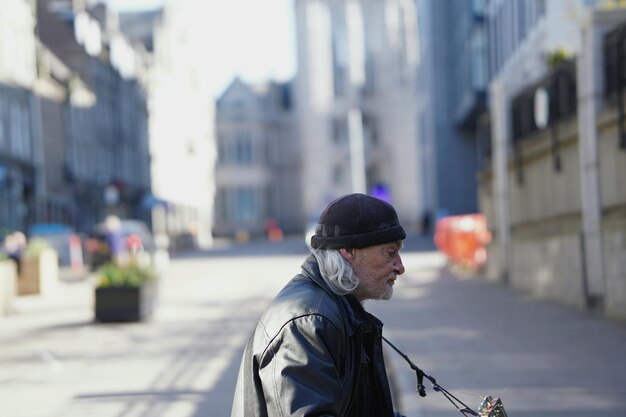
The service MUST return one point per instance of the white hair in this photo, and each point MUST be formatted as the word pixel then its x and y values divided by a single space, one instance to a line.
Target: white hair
pixel 336 271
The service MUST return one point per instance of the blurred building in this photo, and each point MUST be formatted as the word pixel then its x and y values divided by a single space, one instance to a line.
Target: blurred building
pixel 58 90
pixel 74 132
pixel 451 97
pixel 553 195
pixel 258 167
pixel 20 163
pixel 138 26
pixel 73 119
pixel 355 98
pixel 182 116
pixel 104 124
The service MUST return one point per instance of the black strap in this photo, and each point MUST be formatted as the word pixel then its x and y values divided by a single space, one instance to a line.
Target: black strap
pixel 420 384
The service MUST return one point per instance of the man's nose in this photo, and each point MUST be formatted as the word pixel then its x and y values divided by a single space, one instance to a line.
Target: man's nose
pixel 398 266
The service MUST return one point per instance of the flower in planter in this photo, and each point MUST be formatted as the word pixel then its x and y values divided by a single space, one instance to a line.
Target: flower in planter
pixel 129 275
pixel 124 292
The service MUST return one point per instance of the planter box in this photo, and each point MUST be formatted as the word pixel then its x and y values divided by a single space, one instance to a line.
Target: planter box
pixel 125 303
pixel 8 286
pixel 39 274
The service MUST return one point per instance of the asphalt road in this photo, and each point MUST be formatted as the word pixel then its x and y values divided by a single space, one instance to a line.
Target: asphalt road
pixel 475 338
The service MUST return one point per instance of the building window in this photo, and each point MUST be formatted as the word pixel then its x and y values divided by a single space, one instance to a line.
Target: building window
pixel 2 124
pixel 340 55
pixel 243 149
pixel 521 20
pixel 246 204
pixel 20 131
pixel 370 131
pixel 237 110
pixel 27 132
pixel 339 174
pixel 370 74
pixel 221 150
pixel 221 203
pixel 491 45
pixel 500 37
pixel 494 44
pixel 340 130
pixel 477 59
pixel 511 24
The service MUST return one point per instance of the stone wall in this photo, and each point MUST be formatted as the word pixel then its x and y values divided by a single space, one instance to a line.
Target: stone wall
pixel 486 206
pixel 613 196
pixel 547 256
pixel 544 204
pixel 614 251
pixel 544 192
pixel 546 261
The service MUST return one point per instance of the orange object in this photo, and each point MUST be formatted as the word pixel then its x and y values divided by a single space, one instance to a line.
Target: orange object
pixel 274 232
pixel 463 239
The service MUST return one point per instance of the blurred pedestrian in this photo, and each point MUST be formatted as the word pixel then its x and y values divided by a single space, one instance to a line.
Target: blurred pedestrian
pixel 114 238
pixel 14 247
pixel 316 351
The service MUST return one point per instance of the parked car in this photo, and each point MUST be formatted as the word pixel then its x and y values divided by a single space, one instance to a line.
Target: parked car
pixel 135 238
pixel 65 241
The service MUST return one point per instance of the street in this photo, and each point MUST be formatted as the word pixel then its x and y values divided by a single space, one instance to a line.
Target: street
pixel 476 338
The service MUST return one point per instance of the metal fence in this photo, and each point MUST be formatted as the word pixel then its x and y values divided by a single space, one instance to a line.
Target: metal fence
pixel 615 75
pixel 560 85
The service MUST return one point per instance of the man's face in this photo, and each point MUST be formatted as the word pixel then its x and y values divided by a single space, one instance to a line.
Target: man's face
pixel 377 268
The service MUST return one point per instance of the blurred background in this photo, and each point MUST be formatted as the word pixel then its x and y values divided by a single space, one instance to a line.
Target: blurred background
pixel 243 119
pixel 495 127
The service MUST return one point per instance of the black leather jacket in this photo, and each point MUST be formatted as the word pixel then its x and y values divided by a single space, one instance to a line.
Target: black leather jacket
pixel 313 353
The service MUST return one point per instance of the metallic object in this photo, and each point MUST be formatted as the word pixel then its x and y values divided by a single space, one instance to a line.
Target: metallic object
pixel 422 391
pixel 491 407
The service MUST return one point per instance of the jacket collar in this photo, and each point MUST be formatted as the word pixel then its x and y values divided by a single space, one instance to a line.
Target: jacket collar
pixel 354 310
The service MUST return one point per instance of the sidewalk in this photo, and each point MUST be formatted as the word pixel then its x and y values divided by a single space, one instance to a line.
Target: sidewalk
pixel 479 339
pixel 55 361
pixel 68 302
pixel 476 338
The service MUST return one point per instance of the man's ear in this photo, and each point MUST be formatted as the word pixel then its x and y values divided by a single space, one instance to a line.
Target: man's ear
pixel 348 254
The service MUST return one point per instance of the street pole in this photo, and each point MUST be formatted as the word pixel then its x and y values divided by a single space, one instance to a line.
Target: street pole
pixel 356 77
pixel 588 92
pixel 500 143
pixel 357 150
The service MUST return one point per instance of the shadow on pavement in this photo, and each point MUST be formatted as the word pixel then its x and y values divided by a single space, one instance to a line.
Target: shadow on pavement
pixel 479 339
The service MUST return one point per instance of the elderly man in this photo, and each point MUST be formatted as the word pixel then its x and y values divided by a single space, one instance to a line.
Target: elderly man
pixel 316 351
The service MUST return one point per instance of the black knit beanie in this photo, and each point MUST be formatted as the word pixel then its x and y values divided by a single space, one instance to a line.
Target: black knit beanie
pixel 357 221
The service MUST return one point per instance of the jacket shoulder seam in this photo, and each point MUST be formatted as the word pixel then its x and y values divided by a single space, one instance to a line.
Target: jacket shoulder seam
pixel 271 340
